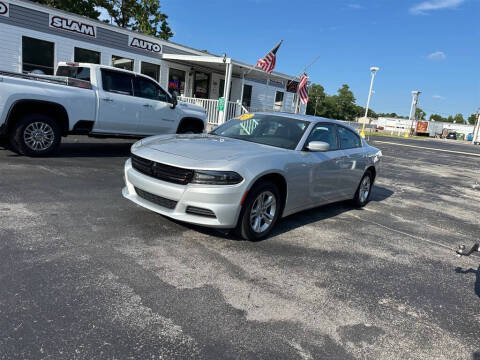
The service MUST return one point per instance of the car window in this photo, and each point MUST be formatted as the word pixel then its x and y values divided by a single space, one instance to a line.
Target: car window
pixel 326 133
pixel 348 139
pixel 82 73
pixel 147 89
pixel 117 82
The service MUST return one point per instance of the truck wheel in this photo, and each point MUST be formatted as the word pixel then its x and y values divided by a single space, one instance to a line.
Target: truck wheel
pixel 36 135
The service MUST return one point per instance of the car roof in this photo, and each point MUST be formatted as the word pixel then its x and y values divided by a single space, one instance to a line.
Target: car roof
pixel 310 118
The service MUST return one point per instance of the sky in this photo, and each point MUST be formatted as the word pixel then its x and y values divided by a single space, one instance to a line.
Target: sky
pixel 432 46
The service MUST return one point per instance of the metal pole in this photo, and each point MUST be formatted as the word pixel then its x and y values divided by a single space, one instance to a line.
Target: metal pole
pixel 374 70
pixel 316 99
pixel 476 128
pixel 413 108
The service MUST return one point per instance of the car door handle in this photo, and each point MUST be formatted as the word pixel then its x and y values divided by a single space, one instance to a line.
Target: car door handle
pixel 107 99
pixel 147 105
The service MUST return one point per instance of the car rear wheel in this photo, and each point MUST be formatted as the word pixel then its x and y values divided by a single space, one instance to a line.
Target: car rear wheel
pixel 260 211
pixel 36 135
pixel 364 190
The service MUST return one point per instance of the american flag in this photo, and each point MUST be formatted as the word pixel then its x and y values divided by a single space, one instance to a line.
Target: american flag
pixel 302 89
pixel 267 63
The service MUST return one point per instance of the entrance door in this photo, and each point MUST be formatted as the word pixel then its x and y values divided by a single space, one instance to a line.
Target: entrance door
pixel 118 110
pixel 201 85
pixel 247 96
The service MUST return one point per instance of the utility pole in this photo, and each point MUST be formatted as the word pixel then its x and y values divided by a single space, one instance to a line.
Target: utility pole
pixel 413 110
pixel 374 70
pixel 476 129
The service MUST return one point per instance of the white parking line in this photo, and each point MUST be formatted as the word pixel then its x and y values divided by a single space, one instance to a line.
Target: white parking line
pixel 428 148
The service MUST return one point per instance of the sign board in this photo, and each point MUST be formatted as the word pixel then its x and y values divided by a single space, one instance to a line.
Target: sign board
pixel 221 104
pixel 144 45
pixel 4 8
pixel 422 127
pixel 292 86
pixel 67 24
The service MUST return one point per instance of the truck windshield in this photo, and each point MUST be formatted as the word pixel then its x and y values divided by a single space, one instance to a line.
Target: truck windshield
pixel 81 73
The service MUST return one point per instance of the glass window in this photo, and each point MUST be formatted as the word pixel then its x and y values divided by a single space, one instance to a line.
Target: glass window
pixel 151 70
pixel 278 100
pixel 37 56
pixel 117 82
pixel 202 85
pixel 86 56
pixel 348 139
pixel 176 81
pixel 146 88
pixel 279 131
pixel 77 72
pixel 247 96
pixel 122 63
pixel 326 133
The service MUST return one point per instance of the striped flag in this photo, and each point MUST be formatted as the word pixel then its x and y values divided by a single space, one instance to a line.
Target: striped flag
pixel 302 89
pixel 267 63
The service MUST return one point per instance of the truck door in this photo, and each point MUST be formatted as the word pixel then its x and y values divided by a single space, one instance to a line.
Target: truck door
pixel 118 110
pixel 157 115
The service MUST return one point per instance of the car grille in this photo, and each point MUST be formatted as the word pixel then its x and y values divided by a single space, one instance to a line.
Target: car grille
pixel 161 171
pixel 200 211
pixel 161 201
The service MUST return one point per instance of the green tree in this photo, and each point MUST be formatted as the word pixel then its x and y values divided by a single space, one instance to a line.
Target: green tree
pixel 436 117
pixel 345 102
pixel 316 98
pixel 449 119
pixel 140 15
pixel 472 119
pixel 81 7
pixel 420 114
pixel 459 119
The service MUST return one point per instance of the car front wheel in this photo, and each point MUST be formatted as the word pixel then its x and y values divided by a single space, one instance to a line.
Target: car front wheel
pixel 260 211
pixel 364 191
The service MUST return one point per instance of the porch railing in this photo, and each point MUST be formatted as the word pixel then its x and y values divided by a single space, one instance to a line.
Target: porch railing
pixel 232 109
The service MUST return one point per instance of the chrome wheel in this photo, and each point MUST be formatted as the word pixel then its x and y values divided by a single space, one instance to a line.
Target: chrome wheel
pixel 364 190
pixel 263 212
pixel 38 136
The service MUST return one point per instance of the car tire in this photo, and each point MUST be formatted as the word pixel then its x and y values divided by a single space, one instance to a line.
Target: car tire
pixel 364 190
pixel 255 228
pixel 36 135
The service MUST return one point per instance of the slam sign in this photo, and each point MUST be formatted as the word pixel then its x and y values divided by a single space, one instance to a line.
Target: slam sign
pixel 75 26
pixel 3 8
pixel 145 45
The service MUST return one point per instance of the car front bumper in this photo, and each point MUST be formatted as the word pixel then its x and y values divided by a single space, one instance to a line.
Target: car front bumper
pixel 223 200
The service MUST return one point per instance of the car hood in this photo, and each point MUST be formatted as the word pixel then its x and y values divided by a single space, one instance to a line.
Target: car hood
pixel 206 147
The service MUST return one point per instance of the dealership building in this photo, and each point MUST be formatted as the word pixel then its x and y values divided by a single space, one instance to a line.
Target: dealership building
pixel 36 38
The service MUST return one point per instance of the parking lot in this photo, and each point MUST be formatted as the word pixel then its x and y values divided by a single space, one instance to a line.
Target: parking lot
pixel 87 274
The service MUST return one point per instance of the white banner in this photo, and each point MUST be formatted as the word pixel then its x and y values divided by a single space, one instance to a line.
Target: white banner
pixel 146 45
pixel 74 26
pixel 4 8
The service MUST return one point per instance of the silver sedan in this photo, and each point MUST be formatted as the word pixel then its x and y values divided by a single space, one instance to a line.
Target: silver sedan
pixel 251 171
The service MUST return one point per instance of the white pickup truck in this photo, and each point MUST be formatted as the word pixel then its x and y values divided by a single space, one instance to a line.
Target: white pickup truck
pixel 96 100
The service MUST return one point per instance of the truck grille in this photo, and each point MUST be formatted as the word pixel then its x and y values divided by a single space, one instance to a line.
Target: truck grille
pixel 161 171
pixel 161 201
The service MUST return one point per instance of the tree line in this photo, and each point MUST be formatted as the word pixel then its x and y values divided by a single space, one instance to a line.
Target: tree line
pixel 342 106
pixel 140 15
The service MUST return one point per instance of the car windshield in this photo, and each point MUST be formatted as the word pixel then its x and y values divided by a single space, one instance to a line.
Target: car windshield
pixel 273 130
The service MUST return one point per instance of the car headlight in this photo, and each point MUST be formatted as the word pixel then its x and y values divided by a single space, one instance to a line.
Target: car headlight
pixel 208 177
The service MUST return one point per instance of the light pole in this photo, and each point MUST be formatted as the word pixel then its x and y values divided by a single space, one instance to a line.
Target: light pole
pixel 413 110
pixel 374 70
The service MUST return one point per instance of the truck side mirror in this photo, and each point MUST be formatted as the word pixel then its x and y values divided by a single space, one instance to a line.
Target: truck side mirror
pixel 174 100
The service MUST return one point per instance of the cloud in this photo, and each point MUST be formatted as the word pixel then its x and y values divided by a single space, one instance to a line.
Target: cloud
pixel 355 6
pixel 432 5
pixel 439 97
pixel 437 55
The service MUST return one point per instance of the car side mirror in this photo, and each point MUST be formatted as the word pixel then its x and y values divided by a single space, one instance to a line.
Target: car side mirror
pixel 174 100
pixel 318 146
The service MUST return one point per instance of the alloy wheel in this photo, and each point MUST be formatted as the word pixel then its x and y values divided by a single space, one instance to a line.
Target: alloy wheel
pixel 263 212
pixel 38 136
pixel 364 190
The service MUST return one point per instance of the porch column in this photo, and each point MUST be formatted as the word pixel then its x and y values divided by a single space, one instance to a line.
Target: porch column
pixel 243 86
pixel 226 91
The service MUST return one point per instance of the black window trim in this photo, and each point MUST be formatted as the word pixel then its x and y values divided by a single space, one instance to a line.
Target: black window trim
pixel 323 123
pixel 43 66
pixel 132 76
pixel 82 48
pixel 354 133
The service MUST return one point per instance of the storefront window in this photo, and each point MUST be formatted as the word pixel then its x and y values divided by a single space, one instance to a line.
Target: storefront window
pixel 247 96
pixel 122 63
pixel 202 85
pixel 37 56
pixel 151 70
pixel 86 56
pixel 278 100
pixel 176 81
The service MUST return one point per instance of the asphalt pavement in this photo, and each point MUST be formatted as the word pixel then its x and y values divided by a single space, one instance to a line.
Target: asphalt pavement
pixel 86 274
